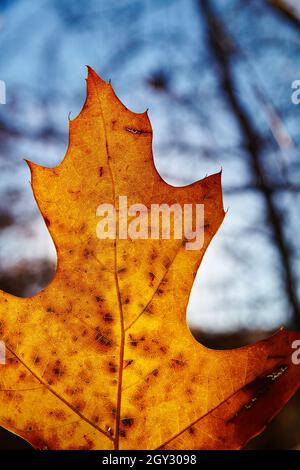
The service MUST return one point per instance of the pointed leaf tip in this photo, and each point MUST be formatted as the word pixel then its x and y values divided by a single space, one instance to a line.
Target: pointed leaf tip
pixel 92 75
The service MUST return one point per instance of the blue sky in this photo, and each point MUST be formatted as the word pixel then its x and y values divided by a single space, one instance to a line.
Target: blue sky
pixel 45 48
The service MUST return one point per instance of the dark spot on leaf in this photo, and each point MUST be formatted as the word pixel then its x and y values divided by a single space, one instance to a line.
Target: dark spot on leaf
pixel 112 368
pixel 152 277
pixel 133 341
pixel 128 363
pixel 103 339
pixel 108 318
pixel 132 130
pixel 177 363
pixel 127 422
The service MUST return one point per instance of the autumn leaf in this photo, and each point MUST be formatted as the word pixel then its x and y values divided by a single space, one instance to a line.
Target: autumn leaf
pixel 103 357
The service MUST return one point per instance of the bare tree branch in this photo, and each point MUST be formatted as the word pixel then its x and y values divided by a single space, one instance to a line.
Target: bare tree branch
pixel 288 9
pixel 217 41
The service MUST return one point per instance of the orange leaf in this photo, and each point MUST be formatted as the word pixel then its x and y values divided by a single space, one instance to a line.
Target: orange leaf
pixel 103 357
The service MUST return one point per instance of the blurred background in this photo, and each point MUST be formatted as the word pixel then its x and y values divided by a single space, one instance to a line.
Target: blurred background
pixel 217 77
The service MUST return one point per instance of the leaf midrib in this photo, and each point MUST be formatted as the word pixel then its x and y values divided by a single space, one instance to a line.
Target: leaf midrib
pixel 122 339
